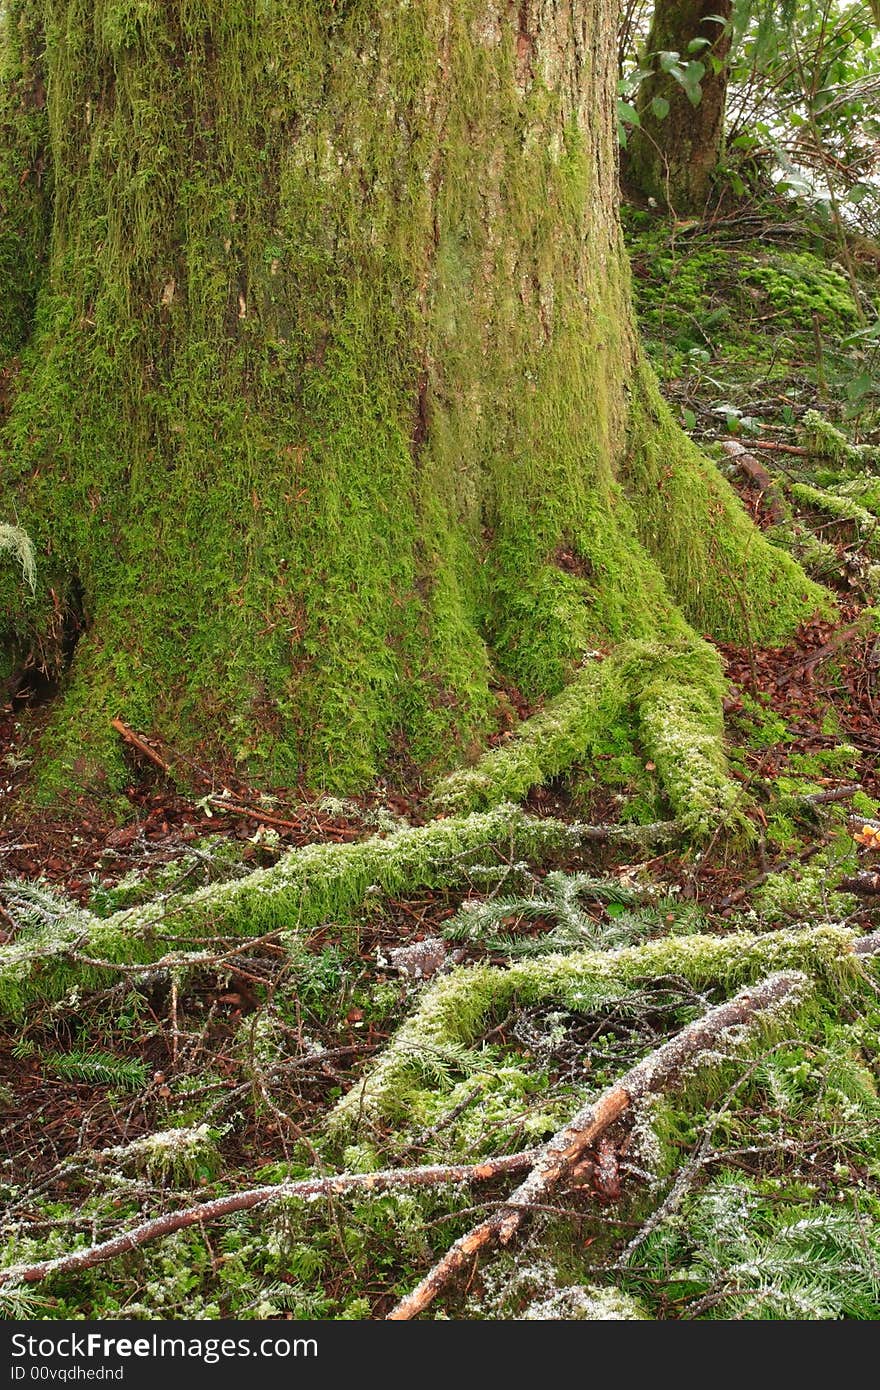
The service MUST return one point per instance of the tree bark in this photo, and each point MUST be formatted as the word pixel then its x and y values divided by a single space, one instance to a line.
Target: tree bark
pixel 672 156
pixel 331 412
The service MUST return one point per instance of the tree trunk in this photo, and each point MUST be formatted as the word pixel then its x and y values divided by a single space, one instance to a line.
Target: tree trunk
pixel 331 414
pixel 675 150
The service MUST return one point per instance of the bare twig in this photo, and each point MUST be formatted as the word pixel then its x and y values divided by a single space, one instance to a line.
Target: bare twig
pixel 135 741
pixel 825 798
pixel 310 1188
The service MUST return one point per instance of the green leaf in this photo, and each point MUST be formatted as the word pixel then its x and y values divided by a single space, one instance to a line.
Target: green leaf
pixel 660 107
pixel 627 113
pixel 859 387
pixel 689 418
pixel 696 44
pixel 669 60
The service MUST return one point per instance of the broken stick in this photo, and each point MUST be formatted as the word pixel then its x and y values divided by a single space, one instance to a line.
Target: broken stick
pixel 561 1155
pixel 337 1184
pixel 757 473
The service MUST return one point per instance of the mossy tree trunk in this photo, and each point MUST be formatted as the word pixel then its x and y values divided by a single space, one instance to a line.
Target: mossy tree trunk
pixel 675 150
pixel 331 410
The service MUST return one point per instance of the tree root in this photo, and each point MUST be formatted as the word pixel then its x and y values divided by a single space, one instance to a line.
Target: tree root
pixel 306 887
pixel 455 1010
pixel 841 508
pixel 676 689
pixel 854 501
pixel 561 1156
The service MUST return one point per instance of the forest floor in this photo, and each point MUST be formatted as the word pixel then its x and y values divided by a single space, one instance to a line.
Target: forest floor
pixel 753 1194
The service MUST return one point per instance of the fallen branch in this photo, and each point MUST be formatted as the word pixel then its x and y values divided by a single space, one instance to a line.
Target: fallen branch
pixel 566 1150
pixel 455 1009
pixel 220 802
pixel 135 741
pixel 864 826
pixel 827 797
pixel 806 665
pixel 757 473
pixel 778 448
pixel 742 892
pixel 337 1185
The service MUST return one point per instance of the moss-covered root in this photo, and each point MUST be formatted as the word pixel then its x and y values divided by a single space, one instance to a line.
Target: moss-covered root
pixel 729 580
pixel 545 745
pixel 819 558
pixel 455 1012
pixel 307 886
pixel 842 507
pixel 676 690
pixel 822 438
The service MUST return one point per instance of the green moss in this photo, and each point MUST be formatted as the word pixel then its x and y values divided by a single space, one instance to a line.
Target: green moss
pixel 826 440
pixel 25 175
pixel 806 890
pixel 323 414
pixel 716 313
pixel 454 1012
pixel 761 726
pixel 306 887
pixel 675 690
pixel 864 489
pixel 841 507
pixel 800 285
pixel 545 745
pixel 727 578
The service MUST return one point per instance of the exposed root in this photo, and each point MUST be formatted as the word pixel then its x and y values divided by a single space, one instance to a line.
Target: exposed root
pixel 839 506
pixel 305 888
pixel 544 746
pixel 676 690
pixel 827 441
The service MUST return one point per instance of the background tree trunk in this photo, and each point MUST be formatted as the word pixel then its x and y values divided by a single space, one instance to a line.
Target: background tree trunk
pixel 331 412
pixel 672 156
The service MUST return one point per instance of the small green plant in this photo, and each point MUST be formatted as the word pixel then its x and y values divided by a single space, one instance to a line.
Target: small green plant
pixel 561 899
pixel 99 1069
pixel 737 1253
